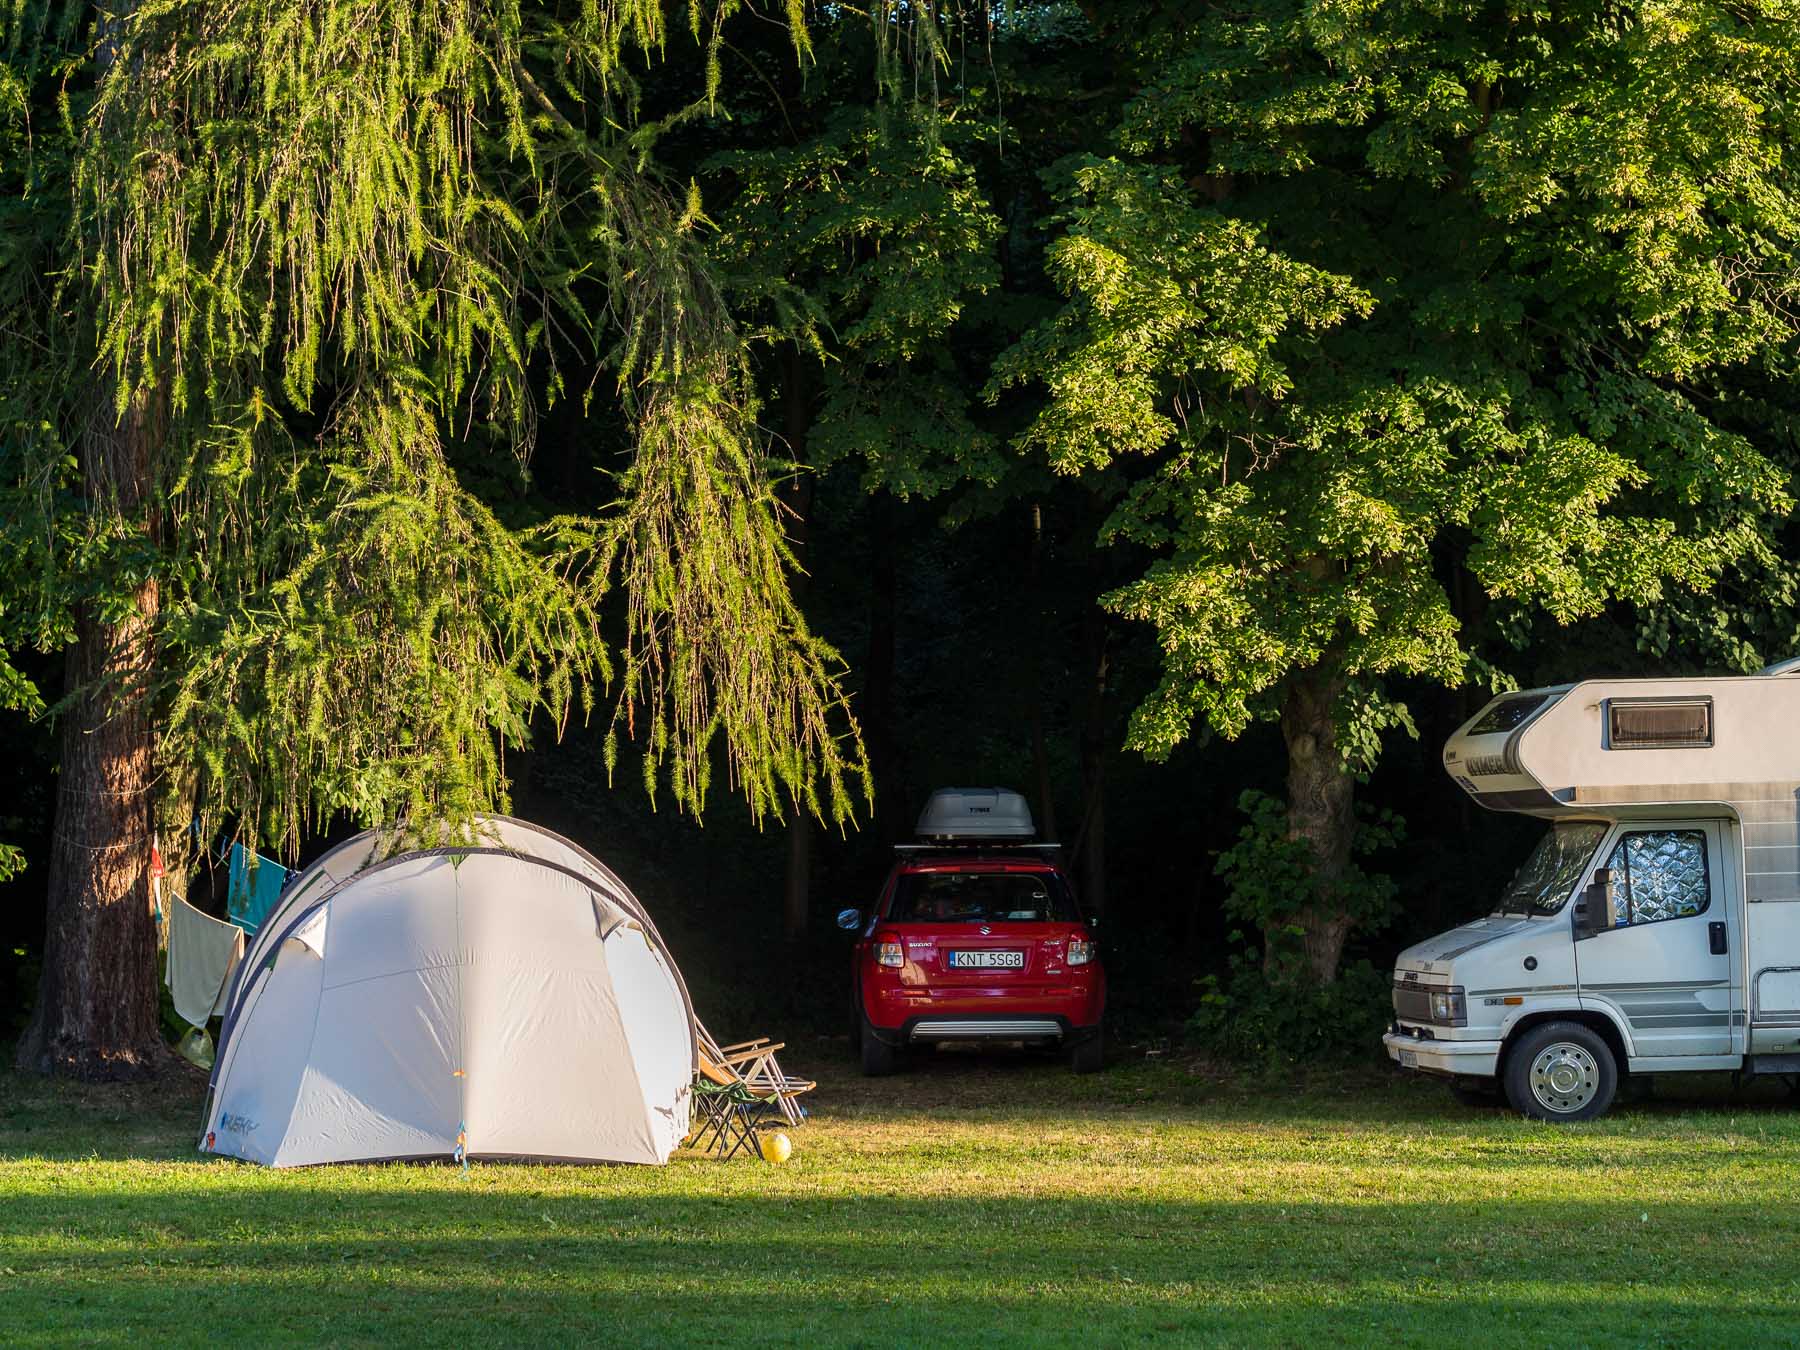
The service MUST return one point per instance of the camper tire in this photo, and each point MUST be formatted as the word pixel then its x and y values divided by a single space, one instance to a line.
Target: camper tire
pixel 1561 1071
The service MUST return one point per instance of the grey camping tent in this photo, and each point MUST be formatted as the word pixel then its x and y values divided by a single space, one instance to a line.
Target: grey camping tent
pixel 507 997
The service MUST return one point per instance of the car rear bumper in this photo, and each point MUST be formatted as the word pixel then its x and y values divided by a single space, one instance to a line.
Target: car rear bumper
pixel 1453 1059
pixel 994 1027
pixel 902 1014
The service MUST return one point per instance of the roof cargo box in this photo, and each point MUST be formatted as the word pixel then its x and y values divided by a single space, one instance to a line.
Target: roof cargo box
pixel 976 813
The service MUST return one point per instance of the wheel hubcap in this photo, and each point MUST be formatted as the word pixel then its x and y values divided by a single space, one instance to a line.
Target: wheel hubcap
pixel 1564 1077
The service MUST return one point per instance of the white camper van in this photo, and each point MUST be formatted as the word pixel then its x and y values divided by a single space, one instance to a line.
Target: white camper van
pixel 1656 927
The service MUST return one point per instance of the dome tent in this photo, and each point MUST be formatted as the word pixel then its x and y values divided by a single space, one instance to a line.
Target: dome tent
pixel 507 997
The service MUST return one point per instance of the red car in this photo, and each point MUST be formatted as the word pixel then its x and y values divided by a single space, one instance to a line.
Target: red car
pixel 976 937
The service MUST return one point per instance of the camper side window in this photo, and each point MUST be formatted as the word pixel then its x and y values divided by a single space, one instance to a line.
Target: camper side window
pixel 1659 874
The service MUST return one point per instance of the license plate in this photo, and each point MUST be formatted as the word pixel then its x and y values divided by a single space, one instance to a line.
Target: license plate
pixel 987 960
pixel 1409 1059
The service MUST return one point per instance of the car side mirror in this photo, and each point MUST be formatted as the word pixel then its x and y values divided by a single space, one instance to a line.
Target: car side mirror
pixel 849 919
pixel 1593 909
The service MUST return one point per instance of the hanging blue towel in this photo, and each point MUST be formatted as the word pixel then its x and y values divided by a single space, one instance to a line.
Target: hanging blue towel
pixel 253 893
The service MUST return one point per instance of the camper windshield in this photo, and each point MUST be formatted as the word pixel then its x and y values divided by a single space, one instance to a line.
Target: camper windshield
pixel 1548 876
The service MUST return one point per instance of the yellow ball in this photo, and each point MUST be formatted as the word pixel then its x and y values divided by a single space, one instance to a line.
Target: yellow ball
pixel 777 1147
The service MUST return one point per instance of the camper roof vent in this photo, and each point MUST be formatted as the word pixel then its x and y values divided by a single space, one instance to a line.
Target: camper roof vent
pixel 1787 667
pixel 976 813
pixel 1659 723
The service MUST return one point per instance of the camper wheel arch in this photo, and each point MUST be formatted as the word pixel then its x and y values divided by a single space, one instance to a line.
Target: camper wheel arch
pixel 1597 1021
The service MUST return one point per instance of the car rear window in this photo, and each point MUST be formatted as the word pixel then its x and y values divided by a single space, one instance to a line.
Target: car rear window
pixel 981 897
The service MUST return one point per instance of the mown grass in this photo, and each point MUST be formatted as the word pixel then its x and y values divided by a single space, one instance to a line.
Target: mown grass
pixel 984 1200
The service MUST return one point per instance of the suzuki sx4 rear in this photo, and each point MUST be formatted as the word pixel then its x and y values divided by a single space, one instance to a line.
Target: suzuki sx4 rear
pixel 976 937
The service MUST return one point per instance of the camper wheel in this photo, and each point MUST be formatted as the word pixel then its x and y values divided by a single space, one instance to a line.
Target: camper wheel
pixel 1561 1071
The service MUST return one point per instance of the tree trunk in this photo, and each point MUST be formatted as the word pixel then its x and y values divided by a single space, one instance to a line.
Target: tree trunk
pixel 96 1012
pixel 796 905
pixel 1040 754
pixel 1321 808
pixel 886 761
pixel 1090 844
pixel 797 418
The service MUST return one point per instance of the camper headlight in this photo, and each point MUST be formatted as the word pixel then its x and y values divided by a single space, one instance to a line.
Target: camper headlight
pixel 1449 1008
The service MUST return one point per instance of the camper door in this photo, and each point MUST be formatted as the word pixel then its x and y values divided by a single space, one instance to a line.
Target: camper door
pixel 1662 965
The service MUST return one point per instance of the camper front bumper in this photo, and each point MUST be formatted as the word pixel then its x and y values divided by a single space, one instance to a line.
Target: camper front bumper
pixel 1416 1048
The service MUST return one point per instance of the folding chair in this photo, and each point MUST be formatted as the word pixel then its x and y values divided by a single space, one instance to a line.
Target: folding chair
pixel 753 1063
pixel 728 1112
pixel 762 1074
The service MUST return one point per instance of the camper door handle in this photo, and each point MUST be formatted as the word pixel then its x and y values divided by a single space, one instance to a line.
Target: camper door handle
pixel 1715 937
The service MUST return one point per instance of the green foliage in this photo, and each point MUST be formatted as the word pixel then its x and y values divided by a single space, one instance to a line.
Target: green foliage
pixel 1380 294
pixel 1269 1006
pixel 716 644
pixel 1271 877
pixel 399 637
pixel 1164 297
pixel 1248 1018
pixel 335 250
pixel 35 152
pixel 864 245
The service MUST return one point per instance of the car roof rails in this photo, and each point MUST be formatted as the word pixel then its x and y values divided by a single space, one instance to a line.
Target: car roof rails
pixel 978 846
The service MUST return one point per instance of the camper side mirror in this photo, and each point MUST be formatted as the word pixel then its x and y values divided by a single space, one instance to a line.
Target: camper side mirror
pixel 849 919
pixel 1593 907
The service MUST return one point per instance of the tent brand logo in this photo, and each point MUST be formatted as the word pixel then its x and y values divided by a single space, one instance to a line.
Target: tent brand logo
pixel 236 1124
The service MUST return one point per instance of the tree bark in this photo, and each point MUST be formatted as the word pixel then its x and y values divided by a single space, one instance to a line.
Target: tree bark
pixel 886 760
pixel 797 418
pixel 1040 754
pixel 1321 808
pixel 1090 844
pixel 796 904
pixel 96 1011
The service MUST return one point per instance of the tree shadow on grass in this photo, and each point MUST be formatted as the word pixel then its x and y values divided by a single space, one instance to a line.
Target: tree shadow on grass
pixel 310 1263
pixel 972 1082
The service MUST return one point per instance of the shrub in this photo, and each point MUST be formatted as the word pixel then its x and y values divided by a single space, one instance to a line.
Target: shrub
pixel 1269 1005
pixel 1249 1017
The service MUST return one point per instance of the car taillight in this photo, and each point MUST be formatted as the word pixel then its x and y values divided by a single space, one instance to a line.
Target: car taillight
pixel 889 954
pixel 1080 952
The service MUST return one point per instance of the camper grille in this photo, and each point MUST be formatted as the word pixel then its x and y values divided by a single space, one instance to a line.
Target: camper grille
pixel 1660 724
pixel 1412 1002
pixel 1486 766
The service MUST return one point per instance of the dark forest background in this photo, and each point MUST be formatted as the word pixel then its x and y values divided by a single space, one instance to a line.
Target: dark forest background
pixel 883 259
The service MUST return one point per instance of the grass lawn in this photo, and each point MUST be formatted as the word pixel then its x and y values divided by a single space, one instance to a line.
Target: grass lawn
pixel 977 1200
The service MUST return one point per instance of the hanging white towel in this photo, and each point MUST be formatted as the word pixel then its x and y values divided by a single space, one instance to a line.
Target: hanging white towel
pixel 202 954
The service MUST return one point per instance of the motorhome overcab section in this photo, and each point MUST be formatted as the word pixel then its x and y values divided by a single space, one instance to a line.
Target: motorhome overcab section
pixel 1655 928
